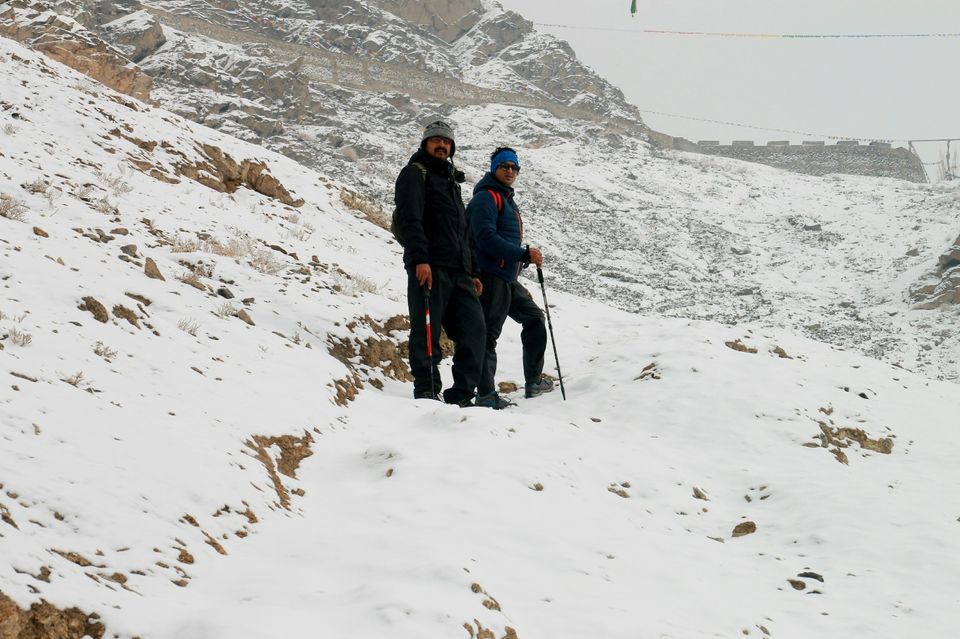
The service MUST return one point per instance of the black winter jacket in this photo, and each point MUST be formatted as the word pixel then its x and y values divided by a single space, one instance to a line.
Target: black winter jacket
pixel 431 217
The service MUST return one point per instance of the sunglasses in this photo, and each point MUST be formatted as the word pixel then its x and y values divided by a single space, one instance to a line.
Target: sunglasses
pixel 509 167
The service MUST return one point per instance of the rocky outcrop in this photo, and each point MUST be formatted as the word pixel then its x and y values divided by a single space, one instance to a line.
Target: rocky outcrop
pixel 449 19
pixel 945 289
pixel 45 621
pixel 68 42
pixel 137 35
pixel 222 173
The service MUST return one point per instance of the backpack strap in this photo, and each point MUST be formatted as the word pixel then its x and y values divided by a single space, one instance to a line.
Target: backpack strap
pixel 423 170
pixel 497 199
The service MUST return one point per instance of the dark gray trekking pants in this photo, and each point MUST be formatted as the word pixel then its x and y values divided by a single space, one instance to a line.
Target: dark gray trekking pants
pixel 454 306
pixel 501 300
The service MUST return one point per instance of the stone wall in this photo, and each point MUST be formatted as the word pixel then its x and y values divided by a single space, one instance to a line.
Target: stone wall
pixel 813 157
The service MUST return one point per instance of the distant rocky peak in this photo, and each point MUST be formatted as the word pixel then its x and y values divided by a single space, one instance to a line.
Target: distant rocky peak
pixel 449 19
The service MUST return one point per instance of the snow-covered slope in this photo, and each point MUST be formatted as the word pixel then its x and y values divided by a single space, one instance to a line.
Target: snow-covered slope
pixel 833 258
pixel 156 467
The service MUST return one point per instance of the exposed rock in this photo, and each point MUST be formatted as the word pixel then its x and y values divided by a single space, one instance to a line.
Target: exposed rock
pixel 293 450
pixel 125 313
pixel 129 249
pixel 843 437
pixel 138 35
pixel 245 316
pixel 67 41
pixel 946 291
pixel 152 270
pixel 737 345
pixel 98 310
pixel 225 293
pixel 40 232
pixel 44 621
pixel 744 528
pixel 222 173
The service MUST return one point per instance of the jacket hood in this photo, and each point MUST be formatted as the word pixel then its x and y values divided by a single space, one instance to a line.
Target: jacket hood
pixel 490 182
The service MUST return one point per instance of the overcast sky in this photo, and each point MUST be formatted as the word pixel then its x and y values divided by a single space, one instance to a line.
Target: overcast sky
pixel 890 88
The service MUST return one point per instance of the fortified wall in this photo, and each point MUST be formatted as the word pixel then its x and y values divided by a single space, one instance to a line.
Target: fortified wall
pixel 878 159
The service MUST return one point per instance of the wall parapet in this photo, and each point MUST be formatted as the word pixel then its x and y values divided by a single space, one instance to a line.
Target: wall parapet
pixel 813 157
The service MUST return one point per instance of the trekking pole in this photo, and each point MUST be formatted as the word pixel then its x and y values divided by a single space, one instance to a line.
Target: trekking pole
pixel 426 310
pixel 546 308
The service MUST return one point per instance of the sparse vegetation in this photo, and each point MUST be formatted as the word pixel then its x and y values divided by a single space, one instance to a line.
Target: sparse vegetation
pixel 355 284
pixel 190 278
pixel 12 208
pixel 372 212
pixel 9 129
pixel 185 244
pixel 117 183
pixel 37 186
pixel 234 247
pixel 188 326
pixel 20 338
pixel 77 379
pixel 85 192
pixel 226 310
pixel 104 351
pixel 105 206
pixel 265 262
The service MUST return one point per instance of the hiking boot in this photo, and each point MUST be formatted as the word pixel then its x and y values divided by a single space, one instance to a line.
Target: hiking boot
pixel 494 401
pixel 458 397
pixel 425 394
pixel 533 389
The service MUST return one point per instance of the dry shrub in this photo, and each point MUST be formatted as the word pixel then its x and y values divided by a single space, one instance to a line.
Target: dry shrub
pixel 226 310
pixel 105 206
pixel 234 247
pixel 265 262
pixel 76 380
pixel 20 338
pixel 37 186
pixel 355 284
pixel 12 208
pixel 188 326
pixel 190 278
pixel 372 212
pixel 185 244
pixel 104 351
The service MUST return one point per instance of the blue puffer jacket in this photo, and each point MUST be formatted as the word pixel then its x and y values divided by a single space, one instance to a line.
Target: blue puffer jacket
pixel 497 236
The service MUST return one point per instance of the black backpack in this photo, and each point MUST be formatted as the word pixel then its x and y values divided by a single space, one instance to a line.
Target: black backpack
pixel 394 227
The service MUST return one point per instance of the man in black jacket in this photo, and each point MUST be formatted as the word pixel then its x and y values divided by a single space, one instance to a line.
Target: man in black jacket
pixel 431 223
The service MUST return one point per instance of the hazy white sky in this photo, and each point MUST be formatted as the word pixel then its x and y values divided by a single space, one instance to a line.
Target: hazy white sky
pixel 890 88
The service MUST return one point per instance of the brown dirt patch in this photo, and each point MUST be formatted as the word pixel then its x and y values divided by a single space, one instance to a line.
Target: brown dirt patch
pixel 737 345
pixel 293 450
pixel 44 621
pixel 98 310
pixel 841 438
pixel 125 313
pixel 383 352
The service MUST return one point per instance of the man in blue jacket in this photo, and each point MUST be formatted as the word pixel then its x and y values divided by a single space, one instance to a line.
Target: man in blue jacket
pixel 432 225
pixel 497 230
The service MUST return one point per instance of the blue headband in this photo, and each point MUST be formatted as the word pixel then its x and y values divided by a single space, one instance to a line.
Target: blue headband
pixel 503 156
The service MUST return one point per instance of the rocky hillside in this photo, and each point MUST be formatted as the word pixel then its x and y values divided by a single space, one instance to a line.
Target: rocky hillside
pixel 849 261
pixel 207 433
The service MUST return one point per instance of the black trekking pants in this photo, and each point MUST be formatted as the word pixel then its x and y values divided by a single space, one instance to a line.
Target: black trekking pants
pixel 501 300
pixel 455 307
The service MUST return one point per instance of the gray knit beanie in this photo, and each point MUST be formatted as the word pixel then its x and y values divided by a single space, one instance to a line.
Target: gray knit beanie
pixel 439 128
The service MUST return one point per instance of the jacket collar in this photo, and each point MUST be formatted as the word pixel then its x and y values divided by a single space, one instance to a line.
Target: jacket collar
pixel 443 166
pixel 490 182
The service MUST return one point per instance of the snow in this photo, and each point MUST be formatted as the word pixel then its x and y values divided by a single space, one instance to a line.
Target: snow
pixel 406 505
